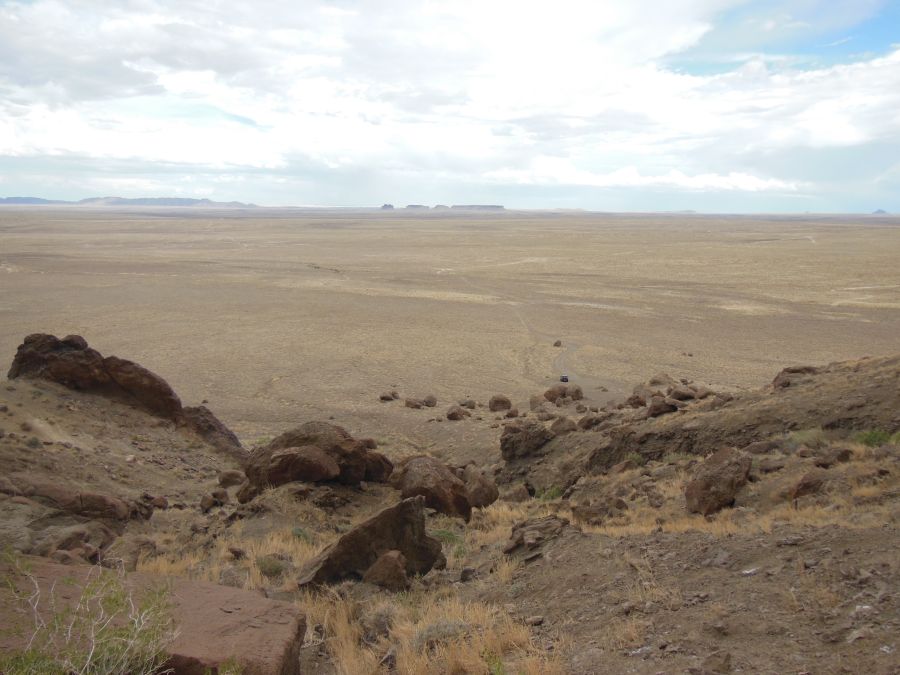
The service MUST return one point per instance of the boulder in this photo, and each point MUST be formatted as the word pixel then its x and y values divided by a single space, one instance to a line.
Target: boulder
pixel 414 403
pixel 555 392
pixel 499 402
pixel 467 403
pixel 517 493
pixel 533 533
pixel 433 480
pixel 86 504
pixel 682 393
pixel 832 456
pixel 512 413
pixel 73 364
pixel 351 456
pixel 378 467
pixel 386 396
pixel 230 478
pixel 600 510
pixel 430 401
pixel 397 528
pixel 717 481
pixel 660 406
pixel 536 402
pixel 481 488
pixel 558 343
pixel 457 413
pixel 388 571
pixel 563 425
pixel 308 463
pixel 523 438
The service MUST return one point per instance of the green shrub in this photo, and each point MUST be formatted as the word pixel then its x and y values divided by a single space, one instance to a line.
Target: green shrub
pixel 104 631
pixel 636 457
pixel 873 438
pixel 447 537
pixel 550 493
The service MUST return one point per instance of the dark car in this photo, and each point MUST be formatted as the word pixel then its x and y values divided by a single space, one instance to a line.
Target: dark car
pixel 563 378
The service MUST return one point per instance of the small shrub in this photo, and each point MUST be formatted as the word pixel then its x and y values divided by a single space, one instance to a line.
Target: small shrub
pixel 301 534
pixel 550 493
pixel 33 443
pixel 873 438
pixel 270 566
pixel 105 631
pixel 636 457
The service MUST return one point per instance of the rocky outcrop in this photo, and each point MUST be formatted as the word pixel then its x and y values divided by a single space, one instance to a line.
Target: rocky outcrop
pixel 313 452
pixel 213 624
pixel 717 481
pixel 433 480
pixel 572 392
pixel 523 438
pixel 456 413
pixel 72 363
pixel 397 528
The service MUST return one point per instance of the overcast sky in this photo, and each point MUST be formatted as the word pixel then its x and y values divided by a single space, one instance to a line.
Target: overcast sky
pixel 712 105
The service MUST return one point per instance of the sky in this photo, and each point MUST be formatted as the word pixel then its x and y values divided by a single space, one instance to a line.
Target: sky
pixel 615 105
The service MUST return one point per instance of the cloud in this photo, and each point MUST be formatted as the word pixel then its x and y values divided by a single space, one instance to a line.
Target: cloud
pixel 345 99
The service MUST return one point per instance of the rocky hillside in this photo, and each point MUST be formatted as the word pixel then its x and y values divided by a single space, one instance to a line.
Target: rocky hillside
pixel 678 530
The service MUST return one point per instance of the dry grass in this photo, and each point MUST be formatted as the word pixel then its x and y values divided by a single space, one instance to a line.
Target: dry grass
pixel 429 632
pixel 627 633
pixel 208 566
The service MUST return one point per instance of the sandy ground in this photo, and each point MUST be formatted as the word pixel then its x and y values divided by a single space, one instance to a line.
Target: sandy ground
pixel 279 316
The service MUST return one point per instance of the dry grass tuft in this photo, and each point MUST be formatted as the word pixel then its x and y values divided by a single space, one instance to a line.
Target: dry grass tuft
pixel 427 633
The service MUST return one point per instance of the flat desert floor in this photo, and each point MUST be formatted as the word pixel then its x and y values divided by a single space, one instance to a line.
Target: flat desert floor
pixel 280 316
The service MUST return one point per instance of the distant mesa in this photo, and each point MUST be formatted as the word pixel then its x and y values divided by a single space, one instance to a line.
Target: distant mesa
pixel 441 207
pixel 478 207
pixel 124 201
pixel 387 207
pixel 880 212
pixel 417 206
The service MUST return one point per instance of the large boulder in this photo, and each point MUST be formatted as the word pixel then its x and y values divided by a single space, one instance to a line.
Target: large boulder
pixel 433 480
pixel 481 488
pixel 389 572
pixel 397 528
pixel 73 364
pixel 533 533
pixel 717 481
pixel 311 452
pixel 523 438
pixel 308 463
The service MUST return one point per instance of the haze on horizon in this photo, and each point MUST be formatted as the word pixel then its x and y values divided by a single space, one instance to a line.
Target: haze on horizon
pixel 711 105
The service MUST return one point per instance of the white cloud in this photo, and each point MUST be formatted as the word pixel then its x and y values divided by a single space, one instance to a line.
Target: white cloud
pixel 502 92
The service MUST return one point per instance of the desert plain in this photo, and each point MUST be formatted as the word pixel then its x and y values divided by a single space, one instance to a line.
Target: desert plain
pixel 275 315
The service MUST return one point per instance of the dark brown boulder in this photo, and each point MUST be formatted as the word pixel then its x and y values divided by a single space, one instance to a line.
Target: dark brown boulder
pixel 523 438
pixel 386 396
pixel 661 406
pixel 717 481
pixel 600 510
pixel 205 424
pixel 398 528
pixel 499 402
pixel 810 483
pixel 73 364
pixel 231 477
pixel 555 392
pixel 429 401
pixel 308 463
pixel 87 504
pixel 432 479
pixel 414 403
pixel 388 571
pixel 832 456
pixel 457 413
pixel 349 453
pixel 682 393
pixel 378 467
pixel 481 488
pixel 563 425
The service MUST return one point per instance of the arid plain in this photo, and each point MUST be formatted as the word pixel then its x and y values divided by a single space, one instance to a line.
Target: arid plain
pixel 276 316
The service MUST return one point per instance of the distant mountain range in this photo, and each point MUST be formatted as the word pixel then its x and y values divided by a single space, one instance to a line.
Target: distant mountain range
pixel 123 201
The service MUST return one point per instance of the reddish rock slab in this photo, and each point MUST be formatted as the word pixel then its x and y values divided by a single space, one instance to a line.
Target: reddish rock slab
pixel 214 623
